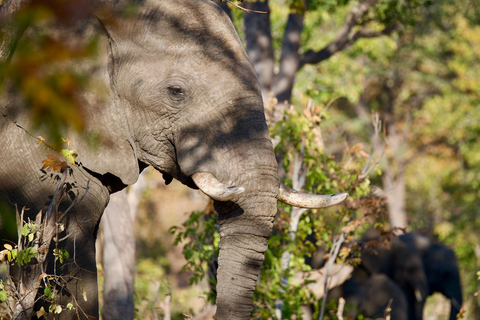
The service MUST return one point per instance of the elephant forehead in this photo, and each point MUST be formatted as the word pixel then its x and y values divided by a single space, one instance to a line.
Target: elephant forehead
pixel 180 24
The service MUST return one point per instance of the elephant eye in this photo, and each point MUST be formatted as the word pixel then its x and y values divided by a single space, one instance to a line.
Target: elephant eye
pixel 176 93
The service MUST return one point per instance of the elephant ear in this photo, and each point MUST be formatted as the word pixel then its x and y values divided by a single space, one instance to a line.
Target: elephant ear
pixel 106 146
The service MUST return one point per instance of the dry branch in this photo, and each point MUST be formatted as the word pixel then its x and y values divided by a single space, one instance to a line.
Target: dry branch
pixel 42 233
pixel 336 276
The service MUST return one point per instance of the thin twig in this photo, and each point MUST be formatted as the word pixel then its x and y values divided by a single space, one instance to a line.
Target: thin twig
pixel 298 183
pixel 245 9
pixel 337 244
pixel 331 260
pixel 341 306
pixel 377 125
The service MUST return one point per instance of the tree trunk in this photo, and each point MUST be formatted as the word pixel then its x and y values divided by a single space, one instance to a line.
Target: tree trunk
pixel 259 43
pixel 118 258
pixel 119 251
pixel 290 58
pixel 395 191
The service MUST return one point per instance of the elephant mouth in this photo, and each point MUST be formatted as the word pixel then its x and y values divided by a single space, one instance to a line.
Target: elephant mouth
pixel 182 178
pixel 216 190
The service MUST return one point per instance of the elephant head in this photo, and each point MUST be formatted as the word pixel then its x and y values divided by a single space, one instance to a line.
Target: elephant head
pixel 441 269
pixel 183 98
pixel 194 109
pixel 402 264
pixel 375 295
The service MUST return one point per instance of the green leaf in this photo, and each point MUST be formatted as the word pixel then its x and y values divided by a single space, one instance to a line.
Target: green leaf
pixel 25 230
pixel 14 253
pixel 3 296
pixel 70 159
pixel 65 152
pixel 20 256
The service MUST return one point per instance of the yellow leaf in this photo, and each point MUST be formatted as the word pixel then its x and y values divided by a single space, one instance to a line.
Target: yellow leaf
pixel 7 246
pixel 41 312
pixel 356 148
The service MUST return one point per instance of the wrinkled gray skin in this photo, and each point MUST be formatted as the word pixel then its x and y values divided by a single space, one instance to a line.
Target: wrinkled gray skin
pixel 370 296
pixel 441 269
pixel 181 96
pixel 403 265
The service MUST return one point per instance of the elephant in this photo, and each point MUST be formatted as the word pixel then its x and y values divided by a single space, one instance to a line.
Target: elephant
pixel 403 265
pixel 372 295
pixel 441 269
pixel 175 91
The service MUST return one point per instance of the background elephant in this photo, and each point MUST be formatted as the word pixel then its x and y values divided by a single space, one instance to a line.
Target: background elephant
pixel 397 260
pixel 364 294
pixel 371 296
pixel 175 90
pixel 441 269
pixel 384 256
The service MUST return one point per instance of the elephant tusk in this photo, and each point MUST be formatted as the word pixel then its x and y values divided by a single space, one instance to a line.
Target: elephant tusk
pixel 418 295
pixel 214 188
pixel 309 201
pixel 455 304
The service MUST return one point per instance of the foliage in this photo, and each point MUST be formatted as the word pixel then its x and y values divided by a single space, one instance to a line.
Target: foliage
pixel 424 81
pixel 26 256
pixel 199 235
pixel 324 175
pixel 30 254
pixel 53 162
pixel 49 80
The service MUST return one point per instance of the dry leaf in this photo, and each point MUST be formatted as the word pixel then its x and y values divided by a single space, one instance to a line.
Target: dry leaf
pixel 54 163
pixel 41 312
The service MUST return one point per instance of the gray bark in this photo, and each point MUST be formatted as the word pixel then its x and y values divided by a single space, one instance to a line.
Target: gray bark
pixel 290 58
pixel 259 43
pixel 119 251
pixel 118 258
pixel 395 191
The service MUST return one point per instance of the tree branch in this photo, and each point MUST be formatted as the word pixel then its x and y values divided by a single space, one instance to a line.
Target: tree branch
pixel 290 58
pixel 245 9
pixel 344 37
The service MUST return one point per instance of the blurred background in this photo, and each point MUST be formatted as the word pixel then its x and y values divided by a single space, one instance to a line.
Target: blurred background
pixel 377 98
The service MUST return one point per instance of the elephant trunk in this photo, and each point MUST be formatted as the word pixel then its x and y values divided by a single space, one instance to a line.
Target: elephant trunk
pixel 243 242
pixel 454 293
pixel 239 267
pixel 245 226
